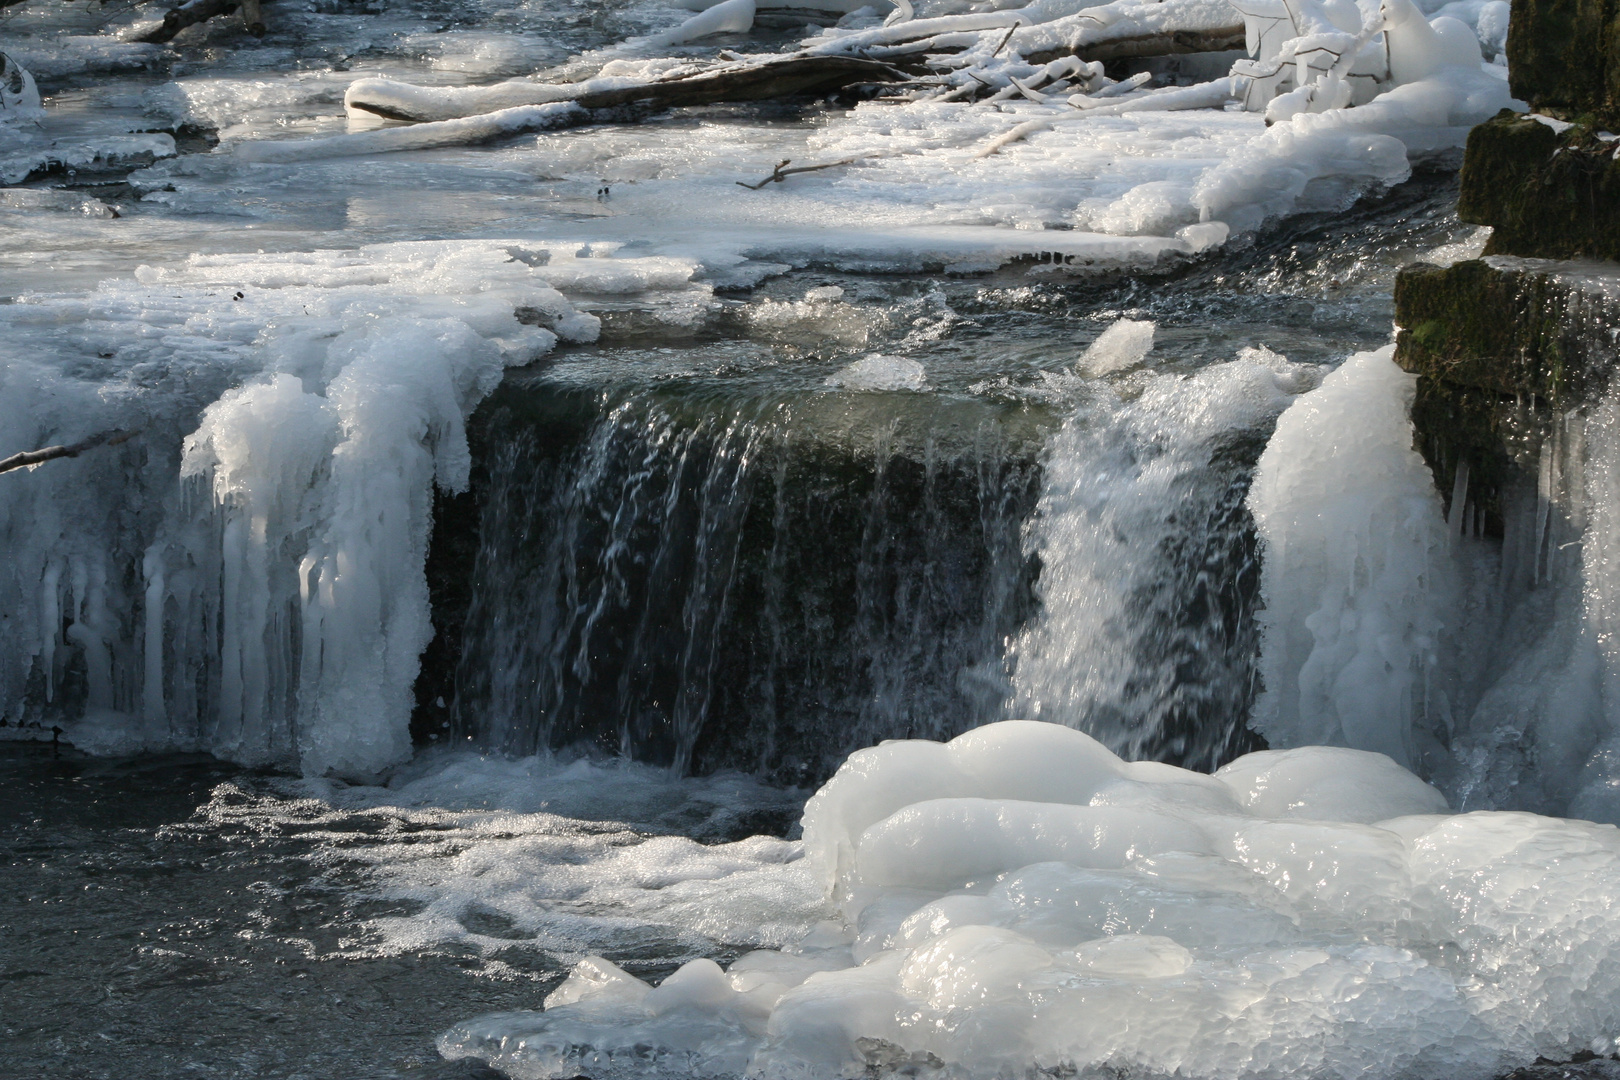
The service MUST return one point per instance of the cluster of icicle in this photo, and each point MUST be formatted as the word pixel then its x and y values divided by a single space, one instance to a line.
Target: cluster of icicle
pixel 265 598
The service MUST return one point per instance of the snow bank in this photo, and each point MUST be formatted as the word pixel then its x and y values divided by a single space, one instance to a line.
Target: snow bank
pixel 1020 898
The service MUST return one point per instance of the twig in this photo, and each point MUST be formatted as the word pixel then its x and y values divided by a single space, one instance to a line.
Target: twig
pixel 782 172
pixel 1005 38
pixel 1029 127
pixel 49 453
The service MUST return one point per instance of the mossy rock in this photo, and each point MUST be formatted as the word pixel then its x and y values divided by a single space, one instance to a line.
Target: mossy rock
pixel 1500 346
pixel 1545 194
pixel 1564 57
pixel 1474 325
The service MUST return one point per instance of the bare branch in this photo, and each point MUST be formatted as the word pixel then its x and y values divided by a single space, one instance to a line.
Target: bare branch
pixel 1004 39
pixel 782 172
pixel 29 458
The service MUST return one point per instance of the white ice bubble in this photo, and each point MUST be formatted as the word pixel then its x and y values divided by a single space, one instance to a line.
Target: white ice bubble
pixel 880 372
pixel 1123 345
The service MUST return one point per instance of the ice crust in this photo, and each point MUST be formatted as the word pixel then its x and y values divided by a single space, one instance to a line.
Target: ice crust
pixel 1021 898
pixel 264 596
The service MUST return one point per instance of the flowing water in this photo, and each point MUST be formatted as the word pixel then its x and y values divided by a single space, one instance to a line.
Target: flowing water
pixel 828 473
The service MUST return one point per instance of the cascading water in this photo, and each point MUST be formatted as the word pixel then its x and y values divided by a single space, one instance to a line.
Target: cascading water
pixel 730 588
pixel 1148 638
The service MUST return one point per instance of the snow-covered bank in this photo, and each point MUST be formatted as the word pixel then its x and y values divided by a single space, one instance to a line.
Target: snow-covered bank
pixel 1020 898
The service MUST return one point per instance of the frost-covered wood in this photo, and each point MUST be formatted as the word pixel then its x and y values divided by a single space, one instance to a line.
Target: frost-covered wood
pixel 696 85
pixel 188 14
pixel 30 458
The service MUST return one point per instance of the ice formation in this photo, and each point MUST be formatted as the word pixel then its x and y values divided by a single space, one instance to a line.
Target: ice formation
pixel 1020 898
pixel 1123 345
pixel 280 604
pixel 880 372
pixel 1387 627
pixel 1066 147
pixel 1357 568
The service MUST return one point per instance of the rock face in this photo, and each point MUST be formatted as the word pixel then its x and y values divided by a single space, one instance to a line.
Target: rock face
pixel 1504 344
pixel 1564 57
pixel 1551 186
pixel 1502 347
pixel 1544 191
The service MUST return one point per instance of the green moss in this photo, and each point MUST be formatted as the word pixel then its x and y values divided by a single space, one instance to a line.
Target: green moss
pixel 1503 331
pixel 1543 194
pixel 1564 56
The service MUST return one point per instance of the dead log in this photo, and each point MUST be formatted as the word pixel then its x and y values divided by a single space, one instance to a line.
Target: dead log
pixel 51 453
pixel 1167 43
pixel 188 14
pixel 771 79
pixel 253 17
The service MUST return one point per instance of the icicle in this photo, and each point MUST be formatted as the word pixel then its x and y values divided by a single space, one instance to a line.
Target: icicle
pixel 1544 481
pixel 1457 521
pixel 50 618
pixel 156 594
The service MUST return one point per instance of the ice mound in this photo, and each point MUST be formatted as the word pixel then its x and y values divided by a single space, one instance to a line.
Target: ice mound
pixel 1021 899
pixel 880 372
pixel 1487 663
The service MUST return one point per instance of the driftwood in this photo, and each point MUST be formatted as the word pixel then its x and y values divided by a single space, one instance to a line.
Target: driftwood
pixel 782 172
pixel 778 78
pixel 1173 43
pixel 188 14
pixel 193 12
pixel 51 453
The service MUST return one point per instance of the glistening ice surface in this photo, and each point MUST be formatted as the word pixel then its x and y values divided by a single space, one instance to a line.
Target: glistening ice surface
pixel 1021 898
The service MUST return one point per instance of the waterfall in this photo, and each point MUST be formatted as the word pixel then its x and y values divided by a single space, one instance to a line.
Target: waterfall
pixel 1147 636
pixel 735 585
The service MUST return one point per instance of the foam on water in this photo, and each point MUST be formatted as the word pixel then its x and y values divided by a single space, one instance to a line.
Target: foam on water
pixel 1020 898
pixel 524 864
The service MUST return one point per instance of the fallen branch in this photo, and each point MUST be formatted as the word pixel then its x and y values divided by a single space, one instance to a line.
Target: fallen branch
pixel 782 172
pixel 30 458
pixel 1140 46
pixel 775 78
pixel 188 14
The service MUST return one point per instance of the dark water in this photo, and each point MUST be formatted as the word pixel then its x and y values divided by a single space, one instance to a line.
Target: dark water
pixel 138 939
